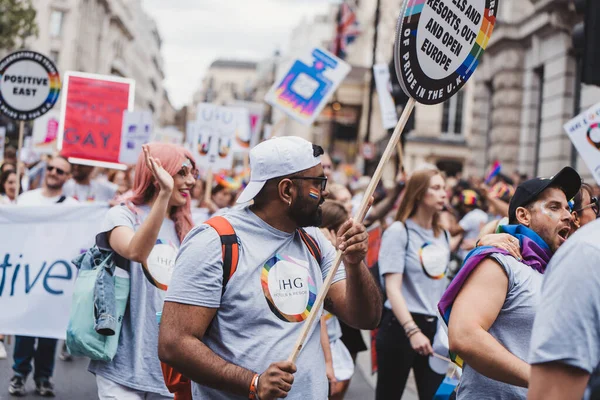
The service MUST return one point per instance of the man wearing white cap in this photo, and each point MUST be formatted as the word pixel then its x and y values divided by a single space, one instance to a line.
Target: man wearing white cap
pixel 256 320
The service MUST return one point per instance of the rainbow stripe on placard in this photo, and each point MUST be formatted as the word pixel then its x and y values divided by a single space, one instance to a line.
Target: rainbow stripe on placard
pixel 466 69
pixel 483 37
pixel 54 80
pixel 414 7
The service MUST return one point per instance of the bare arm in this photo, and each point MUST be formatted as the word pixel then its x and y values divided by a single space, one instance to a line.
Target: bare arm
pixel 356 300
pixel 136 246
pixel 380 210
pixel 327 350
pixel 556 381
pixel 180 346
pixel 474 311
pixel 392 284
pixel 419 342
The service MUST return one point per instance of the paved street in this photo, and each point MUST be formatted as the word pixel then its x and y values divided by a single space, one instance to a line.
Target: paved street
pixel 73 382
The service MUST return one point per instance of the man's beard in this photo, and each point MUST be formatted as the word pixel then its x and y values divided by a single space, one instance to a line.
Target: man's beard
pixel 305 213
pixel 55 186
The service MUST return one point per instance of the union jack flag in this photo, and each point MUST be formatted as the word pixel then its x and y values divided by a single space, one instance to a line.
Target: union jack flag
pixel 347 30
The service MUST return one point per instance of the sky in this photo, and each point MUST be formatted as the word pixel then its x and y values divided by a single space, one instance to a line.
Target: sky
pixel 197 32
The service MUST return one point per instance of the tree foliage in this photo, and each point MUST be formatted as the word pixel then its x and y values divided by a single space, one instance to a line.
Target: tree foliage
pixel 17 23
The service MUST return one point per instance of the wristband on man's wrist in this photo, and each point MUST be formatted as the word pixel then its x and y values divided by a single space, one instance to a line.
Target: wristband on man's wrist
pixel 254 388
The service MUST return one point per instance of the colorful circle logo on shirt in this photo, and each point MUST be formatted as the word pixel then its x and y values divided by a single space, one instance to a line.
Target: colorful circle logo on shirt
pixel 288 287
pixel 434 260
pixel 159 266
pixel 439 44
pixel 593 135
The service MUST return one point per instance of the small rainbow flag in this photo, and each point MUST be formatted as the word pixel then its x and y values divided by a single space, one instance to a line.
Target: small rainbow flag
pixel 314 193
pixel 494 171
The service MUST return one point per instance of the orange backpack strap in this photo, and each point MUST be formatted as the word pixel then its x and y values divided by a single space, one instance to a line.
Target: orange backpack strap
pixel 312 245
pixel 229 246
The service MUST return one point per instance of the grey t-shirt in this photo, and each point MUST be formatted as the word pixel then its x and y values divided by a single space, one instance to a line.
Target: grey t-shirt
pixel 97 190
pixel 261 312
pixel 136 364
pixel 567 324
pixel 512 329
pixel 421 291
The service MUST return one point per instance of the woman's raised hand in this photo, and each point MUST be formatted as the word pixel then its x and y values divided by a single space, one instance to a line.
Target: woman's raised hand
pixel 161 176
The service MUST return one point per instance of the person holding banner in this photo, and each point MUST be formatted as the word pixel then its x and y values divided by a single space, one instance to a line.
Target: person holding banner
pixel 58 171
pixel 413 258
pixel 491 304
pixel 8 187
pixel 85 189
pixel 147 232
pixel 229 332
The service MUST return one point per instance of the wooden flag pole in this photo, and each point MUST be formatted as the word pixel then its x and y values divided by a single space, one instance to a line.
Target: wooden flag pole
pixel 436 355
pixel 387 154
pixel 19 150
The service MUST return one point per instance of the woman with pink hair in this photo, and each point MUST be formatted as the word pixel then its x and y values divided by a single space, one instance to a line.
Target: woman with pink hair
pixel 145 236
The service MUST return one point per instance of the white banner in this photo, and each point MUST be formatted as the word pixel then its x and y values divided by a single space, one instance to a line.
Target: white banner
pixel 37 244
pixel 584 132
pixel 135 132
pixel 389 117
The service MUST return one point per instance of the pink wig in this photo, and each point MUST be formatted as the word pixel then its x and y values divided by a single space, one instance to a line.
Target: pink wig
pixel 172 157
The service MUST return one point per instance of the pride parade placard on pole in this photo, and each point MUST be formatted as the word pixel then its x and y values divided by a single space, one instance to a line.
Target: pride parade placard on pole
pixel 91 118
pixel 309 82
pixel 584 132
pixel 214 136
pixel 438 46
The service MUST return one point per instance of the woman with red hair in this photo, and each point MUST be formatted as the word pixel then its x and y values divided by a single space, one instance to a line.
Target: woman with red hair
pixel 146 236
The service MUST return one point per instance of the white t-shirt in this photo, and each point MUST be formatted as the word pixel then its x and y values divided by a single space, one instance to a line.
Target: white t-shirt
pixel 36 198
pixel 97 190
pixel 472 223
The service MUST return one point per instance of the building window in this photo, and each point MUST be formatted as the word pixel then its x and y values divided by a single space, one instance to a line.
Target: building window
pixel 54 56
pixel 452 119
pixel 56 23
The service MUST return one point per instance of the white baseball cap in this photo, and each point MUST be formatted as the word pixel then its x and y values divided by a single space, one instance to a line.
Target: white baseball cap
pixel 279 156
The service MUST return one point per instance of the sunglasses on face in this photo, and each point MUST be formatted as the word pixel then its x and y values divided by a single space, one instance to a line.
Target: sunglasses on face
pixel 594 205
pixel 59 171
pixel 323 180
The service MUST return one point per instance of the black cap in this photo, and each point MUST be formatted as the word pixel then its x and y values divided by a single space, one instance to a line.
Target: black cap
pixel 567 179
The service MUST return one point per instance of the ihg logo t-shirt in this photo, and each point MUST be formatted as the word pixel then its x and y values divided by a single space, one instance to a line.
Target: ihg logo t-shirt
pixel 265 303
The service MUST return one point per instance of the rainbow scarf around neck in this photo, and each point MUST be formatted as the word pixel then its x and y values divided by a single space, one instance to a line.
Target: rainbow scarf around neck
pixel 535 252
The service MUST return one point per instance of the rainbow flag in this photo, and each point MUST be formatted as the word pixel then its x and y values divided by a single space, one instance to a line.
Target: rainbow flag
pixel 535 252
pixel 494 171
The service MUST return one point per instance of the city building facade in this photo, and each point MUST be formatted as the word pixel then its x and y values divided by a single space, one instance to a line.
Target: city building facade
pixel 108 37
pixel 526 90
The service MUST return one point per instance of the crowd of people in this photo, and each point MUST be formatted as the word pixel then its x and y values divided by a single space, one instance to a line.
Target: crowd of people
pixel 495 262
